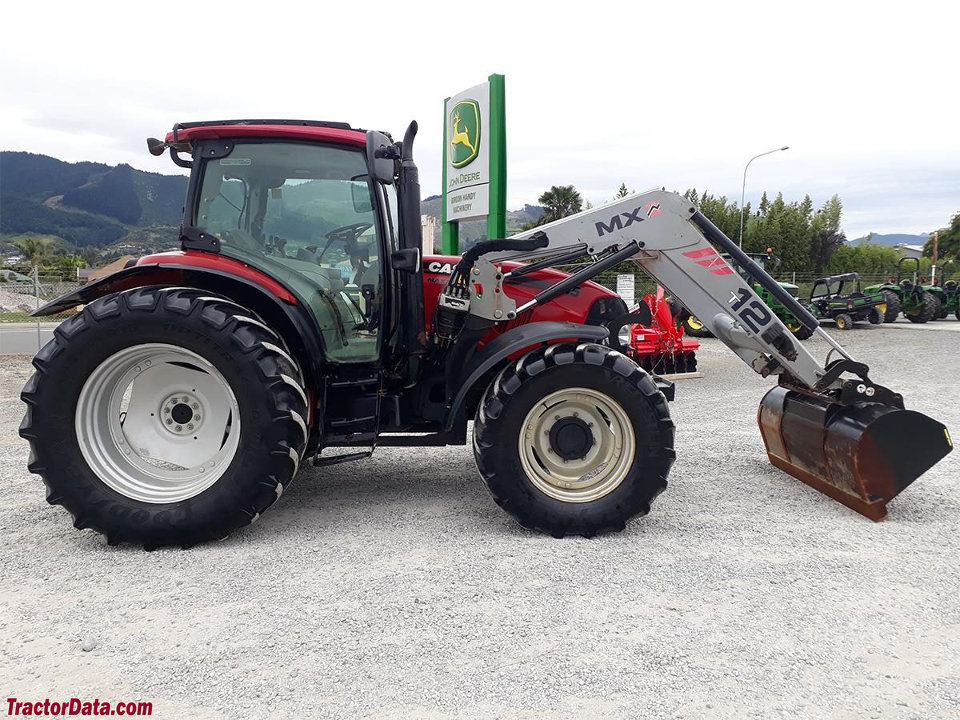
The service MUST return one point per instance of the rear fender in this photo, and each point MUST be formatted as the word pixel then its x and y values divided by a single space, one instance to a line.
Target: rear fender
pixel 280 309
pixel 495 353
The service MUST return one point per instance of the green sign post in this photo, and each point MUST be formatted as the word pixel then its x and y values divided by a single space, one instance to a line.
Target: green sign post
pixel 475 161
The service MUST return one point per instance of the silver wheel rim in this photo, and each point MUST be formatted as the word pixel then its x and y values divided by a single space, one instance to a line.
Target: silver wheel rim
pixel 604 466
pixel 157 423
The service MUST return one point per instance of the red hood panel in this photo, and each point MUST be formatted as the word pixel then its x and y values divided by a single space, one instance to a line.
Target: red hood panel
pixel 571 307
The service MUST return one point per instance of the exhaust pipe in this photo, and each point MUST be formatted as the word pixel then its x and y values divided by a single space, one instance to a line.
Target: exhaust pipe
pixel 862 454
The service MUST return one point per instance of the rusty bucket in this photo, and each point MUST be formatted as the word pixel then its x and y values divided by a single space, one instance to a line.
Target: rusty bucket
pixel 862 454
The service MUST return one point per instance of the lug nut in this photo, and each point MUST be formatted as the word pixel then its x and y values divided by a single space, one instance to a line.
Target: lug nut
pixel 871 392
pixel 861 388
pixel 169 421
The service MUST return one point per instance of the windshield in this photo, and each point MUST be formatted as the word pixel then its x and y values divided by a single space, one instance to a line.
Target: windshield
pixel 303 214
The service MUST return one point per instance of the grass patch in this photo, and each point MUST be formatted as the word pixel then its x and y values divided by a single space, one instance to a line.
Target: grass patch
pixel 15 317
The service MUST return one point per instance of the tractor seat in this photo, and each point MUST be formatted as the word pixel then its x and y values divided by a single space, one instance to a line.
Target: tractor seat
pixel 306 256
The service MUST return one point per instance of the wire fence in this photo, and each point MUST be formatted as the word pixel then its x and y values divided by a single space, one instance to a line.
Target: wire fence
pixel 22 293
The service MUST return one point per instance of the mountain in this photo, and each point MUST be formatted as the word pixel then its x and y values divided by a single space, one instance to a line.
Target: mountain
pixel 893 239
pixel 85 203
pixel 91 204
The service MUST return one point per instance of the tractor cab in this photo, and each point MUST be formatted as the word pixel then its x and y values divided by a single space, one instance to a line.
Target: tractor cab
pixel 301 208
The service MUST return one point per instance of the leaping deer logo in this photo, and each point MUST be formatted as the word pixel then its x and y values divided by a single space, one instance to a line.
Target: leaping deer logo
pixel 461 137
pixel 464 133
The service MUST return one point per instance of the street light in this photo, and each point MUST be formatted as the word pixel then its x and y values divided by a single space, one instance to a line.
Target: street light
pixel 743 191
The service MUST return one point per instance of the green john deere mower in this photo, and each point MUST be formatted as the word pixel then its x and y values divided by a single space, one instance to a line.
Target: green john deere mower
pixel 839 298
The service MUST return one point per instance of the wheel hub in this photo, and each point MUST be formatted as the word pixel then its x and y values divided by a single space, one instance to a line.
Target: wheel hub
pixel 182 413
pixel 576 445
pixel 571 438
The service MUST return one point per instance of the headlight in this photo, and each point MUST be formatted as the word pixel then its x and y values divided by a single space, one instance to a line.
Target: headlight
pixel 623 335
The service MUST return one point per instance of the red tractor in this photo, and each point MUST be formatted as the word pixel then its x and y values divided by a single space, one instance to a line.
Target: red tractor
pixel 300 316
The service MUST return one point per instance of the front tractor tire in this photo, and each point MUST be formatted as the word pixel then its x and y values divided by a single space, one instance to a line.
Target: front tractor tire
pixel 694 328
pixel 798 329
pixel 164 416
pixel 574 440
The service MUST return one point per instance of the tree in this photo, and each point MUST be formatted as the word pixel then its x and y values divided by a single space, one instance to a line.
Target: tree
pixel 764 204
pixel 717 210
pixel 826 233
pixel 622 192
pixel 948 243
pixel 35 249
pixel 559 202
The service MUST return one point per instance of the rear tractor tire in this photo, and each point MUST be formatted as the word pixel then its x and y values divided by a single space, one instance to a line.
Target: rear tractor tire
pixel 893 305
pixel 574 440
pixel 927 311
pixel 843 321
pixel 164 416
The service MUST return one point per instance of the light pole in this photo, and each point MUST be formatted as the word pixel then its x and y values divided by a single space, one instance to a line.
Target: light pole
pixel 743 190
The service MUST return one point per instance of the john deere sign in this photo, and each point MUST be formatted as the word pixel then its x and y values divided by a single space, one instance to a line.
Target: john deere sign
pixel 474 167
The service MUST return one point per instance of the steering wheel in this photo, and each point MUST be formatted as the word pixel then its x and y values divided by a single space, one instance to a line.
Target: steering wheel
pixel 345 234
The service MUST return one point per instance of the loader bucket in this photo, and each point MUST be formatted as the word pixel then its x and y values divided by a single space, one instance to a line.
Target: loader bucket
pixel 861 455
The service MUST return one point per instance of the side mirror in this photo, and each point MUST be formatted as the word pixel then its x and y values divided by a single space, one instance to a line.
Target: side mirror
pixel 406 260
pixel 382 155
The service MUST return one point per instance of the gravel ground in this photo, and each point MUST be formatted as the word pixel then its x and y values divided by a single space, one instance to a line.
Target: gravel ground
pixel 396 588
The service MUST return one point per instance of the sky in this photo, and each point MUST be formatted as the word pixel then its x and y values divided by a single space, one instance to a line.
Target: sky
pixel 678 95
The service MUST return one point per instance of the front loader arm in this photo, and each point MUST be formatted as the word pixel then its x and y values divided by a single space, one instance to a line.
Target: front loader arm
pixel 839 435
pixel 670 241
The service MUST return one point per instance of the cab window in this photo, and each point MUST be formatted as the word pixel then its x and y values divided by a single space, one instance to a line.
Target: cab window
pixel 303 214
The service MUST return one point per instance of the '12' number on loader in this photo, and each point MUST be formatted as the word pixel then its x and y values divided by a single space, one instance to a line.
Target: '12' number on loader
pixel 755 315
